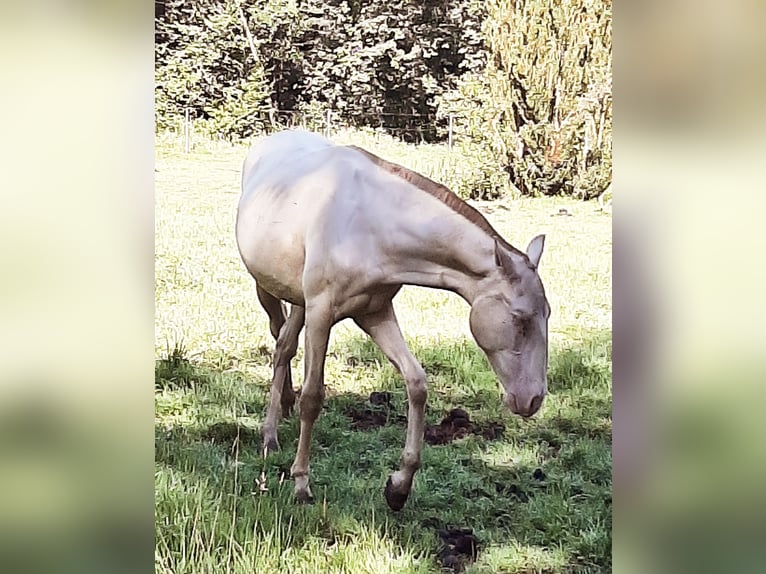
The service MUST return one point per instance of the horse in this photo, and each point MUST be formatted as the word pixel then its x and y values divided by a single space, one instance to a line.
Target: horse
pixel 336 231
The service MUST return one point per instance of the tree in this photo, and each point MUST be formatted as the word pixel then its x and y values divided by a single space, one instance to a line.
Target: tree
pixel 374 64
pixel 543 104
pixel 203 61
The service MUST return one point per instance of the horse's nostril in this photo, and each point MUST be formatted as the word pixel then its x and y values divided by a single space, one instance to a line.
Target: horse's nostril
pixel 525 407
pixel 511 401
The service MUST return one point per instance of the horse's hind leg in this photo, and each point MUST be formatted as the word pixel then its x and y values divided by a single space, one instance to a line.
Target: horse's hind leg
pixel 277 319
pixel 285 330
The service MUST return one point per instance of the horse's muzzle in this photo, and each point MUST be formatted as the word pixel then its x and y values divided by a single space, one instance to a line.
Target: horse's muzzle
pixel 524 405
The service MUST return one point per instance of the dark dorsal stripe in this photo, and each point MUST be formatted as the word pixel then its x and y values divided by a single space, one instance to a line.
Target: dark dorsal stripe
pixel 443 194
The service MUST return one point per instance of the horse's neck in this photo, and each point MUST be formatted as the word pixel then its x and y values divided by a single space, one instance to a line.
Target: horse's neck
pixel 436 247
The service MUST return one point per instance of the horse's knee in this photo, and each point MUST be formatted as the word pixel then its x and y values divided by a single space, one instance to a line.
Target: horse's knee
pixel 417 388
pixel 285 350
pixel 311 402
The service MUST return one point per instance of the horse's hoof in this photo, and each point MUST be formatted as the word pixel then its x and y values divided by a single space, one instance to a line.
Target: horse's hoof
pixel 394 499
pixel 303 497
pixel 270 445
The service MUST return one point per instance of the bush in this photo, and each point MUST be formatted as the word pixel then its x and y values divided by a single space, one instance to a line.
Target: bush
pixel 543 103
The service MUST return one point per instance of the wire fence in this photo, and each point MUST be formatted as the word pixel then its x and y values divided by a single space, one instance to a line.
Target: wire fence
pixel 473 172
pixel 407 126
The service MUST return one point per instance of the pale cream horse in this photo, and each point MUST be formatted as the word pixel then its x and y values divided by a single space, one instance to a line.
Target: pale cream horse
pixel 336 231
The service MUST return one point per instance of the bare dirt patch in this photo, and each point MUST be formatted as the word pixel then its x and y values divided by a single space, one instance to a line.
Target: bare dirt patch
pixel 459 548
pixel 377 414
pixel 457 424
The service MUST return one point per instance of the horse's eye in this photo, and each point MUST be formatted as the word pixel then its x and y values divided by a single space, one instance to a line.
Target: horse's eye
pixel 521 322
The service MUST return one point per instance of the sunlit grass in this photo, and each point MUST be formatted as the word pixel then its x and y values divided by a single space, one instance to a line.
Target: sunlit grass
pixel 222 508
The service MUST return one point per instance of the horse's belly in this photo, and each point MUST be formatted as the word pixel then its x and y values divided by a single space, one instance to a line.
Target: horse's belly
pixel 272 252
pixel 276 285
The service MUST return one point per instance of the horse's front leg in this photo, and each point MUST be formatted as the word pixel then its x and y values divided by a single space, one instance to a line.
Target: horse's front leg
pixel 318 324
pixel 383 328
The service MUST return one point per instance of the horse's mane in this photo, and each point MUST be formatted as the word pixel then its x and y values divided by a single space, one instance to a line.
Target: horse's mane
pixel 442 193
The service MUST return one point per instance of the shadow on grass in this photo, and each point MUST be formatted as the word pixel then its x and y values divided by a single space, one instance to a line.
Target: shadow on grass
pixel 538 498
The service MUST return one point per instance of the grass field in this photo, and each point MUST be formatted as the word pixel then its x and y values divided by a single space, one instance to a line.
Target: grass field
pixel 222 507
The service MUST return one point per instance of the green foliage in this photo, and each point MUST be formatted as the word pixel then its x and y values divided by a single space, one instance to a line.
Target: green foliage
pixel 236 114
pixel 543 102
pixel 382 64
pixel 375 64
pixel 202 61
pixel 480 176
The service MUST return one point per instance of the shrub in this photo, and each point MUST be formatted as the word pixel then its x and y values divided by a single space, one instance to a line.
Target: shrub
pixel 543 103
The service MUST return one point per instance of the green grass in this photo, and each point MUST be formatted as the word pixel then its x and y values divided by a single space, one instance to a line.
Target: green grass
pixel 222 507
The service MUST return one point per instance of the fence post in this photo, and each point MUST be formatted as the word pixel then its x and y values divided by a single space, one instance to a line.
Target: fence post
pixel 327 123
pixel 186 130
pixel 450 131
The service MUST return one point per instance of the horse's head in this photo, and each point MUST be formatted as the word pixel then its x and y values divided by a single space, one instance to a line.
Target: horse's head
pixel 509 320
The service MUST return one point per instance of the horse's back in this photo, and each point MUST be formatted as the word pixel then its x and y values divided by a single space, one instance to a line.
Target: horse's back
pixel 286 179
pixel 278 157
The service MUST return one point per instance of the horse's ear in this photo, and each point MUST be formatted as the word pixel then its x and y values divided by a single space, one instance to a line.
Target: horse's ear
pixel 503 260
pixel 535 249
